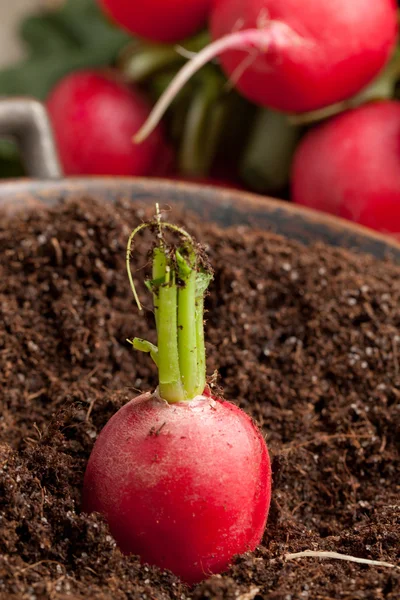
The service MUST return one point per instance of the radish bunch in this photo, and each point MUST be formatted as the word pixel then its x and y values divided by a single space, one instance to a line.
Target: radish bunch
pixel 183 478
pixel 294 55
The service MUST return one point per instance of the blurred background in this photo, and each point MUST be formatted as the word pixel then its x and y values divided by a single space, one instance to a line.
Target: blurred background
pixel 11 14
pixel 100 81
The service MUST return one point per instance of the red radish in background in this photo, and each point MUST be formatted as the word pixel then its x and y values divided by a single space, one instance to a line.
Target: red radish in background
pixel 94 116
pixel 294 55
pixel 350 167
pixel 317 53
pixel 183 479
pixel 159 20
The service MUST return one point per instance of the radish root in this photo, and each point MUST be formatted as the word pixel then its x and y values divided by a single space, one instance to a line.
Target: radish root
pixel 275 33
pixel 338 556
pixel 250 595
pixel 184 52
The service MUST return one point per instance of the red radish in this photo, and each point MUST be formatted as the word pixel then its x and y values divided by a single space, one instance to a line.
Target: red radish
pixel 350 167
pixel 182 485
pixel 318 52
pixel 94 116
pixel 294 55
pixel 183 479
pixel 159 20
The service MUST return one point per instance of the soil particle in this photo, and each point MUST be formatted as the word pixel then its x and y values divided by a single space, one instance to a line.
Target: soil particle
pixel 306 340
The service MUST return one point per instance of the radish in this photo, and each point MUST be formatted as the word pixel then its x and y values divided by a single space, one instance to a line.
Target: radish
pixel 182 478
pixel 94 116
pixel 350 166
pixel 159 20
pixel 294 55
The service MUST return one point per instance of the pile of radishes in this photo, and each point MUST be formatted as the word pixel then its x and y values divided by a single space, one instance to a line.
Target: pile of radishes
pixel 300 61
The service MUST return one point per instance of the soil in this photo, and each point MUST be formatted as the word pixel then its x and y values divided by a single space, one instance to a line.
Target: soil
pixel 306 340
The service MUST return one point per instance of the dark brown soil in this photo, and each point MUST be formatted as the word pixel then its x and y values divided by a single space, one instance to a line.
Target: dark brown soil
pixel 306 340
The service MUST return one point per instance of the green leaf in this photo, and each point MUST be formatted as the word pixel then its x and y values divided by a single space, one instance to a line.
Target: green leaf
pixel 203 280
pixel 145 346
pixel 74 37
pixel 153 284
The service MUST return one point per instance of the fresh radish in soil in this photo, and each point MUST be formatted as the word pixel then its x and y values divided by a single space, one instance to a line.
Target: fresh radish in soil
pixel 94 116
pixel 350 167
pixel 294 55
pixel 159 20
pixel 183 478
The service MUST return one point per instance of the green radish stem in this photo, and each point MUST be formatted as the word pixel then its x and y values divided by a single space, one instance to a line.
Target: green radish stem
pixel 169 376
pixel 201 348
pixel 178 286
pixel 187 339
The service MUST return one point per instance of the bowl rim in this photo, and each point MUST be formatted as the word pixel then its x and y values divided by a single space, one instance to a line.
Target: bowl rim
pixel 45 188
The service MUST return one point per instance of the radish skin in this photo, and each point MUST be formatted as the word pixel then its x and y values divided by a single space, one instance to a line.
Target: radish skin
pixel 159 20
pixel 346 44
pixel 350 167
pixel 94 115
pixel 186 486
